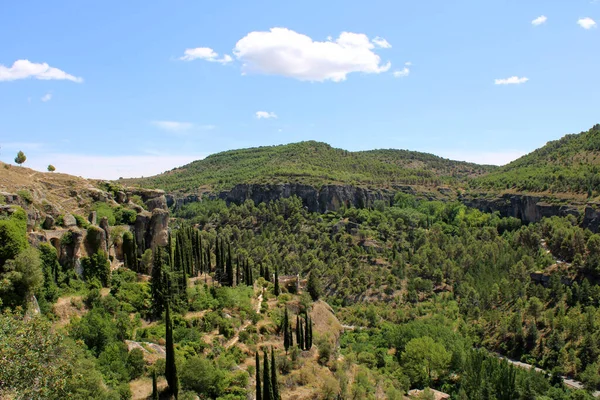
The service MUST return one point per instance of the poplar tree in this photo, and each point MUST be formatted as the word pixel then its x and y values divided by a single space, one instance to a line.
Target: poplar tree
pixel 170 367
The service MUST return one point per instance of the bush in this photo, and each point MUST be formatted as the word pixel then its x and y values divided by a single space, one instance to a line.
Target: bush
pixel 203 377
pixel 104 210
pixel 13 239
pixel 25 195
pixel 125 216
pixel 96 266
pixel 81 222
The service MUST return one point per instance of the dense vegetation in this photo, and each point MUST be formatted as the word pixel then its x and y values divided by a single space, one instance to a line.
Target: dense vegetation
pixel 313 163
pixel 569 165
pixel 430 293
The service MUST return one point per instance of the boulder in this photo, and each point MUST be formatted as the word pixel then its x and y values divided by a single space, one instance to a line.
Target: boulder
pixel 121 197
pixel 48 222
pixel 69 221
pixel 93 217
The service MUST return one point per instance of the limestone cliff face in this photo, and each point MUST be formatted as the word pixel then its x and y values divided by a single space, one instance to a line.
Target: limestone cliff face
pixel 151 229
pixel 529 208
pixel 323 199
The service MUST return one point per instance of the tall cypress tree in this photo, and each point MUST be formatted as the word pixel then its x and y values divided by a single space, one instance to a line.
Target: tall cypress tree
pixel 306 333
pixel 290 335
pixel 301 342
pixel 258 388
pixel 267 274
pixel 298 337
pixel 286 330
pixel 170 367
pixel 154 386
pixel 274 386
pixel 277 292
pixel 267 391
pixel 157 281
pixel 229 267
pixel 261 270
pixel 310 333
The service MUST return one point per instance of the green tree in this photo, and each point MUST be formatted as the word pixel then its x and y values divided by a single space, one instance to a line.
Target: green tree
pixel 313 286
pixel 267 390
pixel 20 158
pixel 258 388
pixel 170 366
pixel 96 267
pixel 274 385
pixel 51 168
pixel 154 386
pixel 425 360
pixel 276 287
pixel 21 277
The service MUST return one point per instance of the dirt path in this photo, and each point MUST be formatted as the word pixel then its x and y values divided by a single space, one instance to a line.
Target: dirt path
pixel 236 338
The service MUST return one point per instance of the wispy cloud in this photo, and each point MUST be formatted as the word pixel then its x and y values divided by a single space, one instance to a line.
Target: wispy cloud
pixel 23 69
pixel 265 115
pixel 46 97
pixel 402 73
pixel 205 53
pixel 381 42
pixel 539 20
pixel 513 80
pixel 586 23
pixel 173 126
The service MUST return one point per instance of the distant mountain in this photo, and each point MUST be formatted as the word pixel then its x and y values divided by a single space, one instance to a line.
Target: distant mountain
pixel 569 165
pixel 314 163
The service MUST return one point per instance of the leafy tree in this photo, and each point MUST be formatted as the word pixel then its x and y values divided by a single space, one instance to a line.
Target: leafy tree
pixel 21 277
pixel 425 360
pixel 96 267
pixel 20 158
pixel 203 377
pixel 313 286
pixel 51 168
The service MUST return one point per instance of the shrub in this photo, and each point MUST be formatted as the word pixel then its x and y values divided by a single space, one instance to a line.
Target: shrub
pixel 13 239
pixel 96 266
pixel 81 222
pixel 25 195
pixel 104 210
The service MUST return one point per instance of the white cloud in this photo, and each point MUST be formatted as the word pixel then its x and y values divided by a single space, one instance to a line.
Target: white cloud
pixel 46 97
pixel 284 52
pixel 513 80
pixel 205 53
pixel 265 115
pixel 408 63
pixel 539 20
pixel 402 73
pixel 586 23
pixel 381 42
pixel 23 69
pixel 173 126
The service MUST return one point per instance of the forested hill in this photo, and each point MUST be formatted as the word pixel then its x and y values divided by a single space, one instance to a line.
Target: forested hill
pixel 313 163
pixel 569 165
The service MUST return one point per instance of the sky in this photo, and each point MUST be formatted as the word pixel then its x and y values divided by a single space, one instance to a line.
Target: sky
pixel 133 88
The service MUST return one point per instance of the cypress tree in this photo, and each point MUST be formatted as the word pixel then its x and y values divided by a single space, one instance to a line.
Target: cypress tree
pixel 306 333
pixel 170 367
pixel 267 274
pixel 258 388
pixel 290 336
pixel 267 391
pixel 170 251
pixel 277 292
pixel 310 333
pixel 217 261
pixel 157 280
pixel 274 386
pixel 154 386
pixel 301 342
pixel 285 328
pixel 262 271
pixel 229 267
pixel 298 338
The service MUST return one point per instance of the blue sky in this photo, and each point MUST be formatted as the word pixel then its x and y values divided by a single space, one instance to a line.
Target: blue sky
pixel 136 87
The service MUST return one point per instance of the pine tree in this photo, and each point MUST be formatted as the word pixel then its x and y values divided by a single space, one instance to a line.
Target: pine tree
pixel 154 386
pixel 170 367
pixel 277 292
pixel 267 391
pixel 258 388
pixel 313 286
pixel 274 386
pixel 20 158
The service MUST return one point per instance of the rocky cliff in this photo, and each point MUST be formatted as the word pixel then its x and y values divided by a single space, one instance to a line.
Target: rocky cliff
pixel 315 199
pixel 531 208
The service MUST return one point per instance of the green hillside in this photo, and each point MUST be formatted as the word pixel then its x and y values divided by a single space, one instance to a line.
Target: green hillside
pixel 568 165
pixel 313 163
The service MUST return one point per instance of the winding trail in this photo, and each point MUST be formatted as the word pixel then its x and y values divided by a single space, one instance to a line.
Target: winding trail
pixel 236 338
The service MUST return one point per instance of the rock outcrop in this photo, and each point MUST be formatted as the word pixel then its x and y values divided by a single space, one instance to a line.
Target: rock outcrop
pixel 151 229
pixel 530 208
